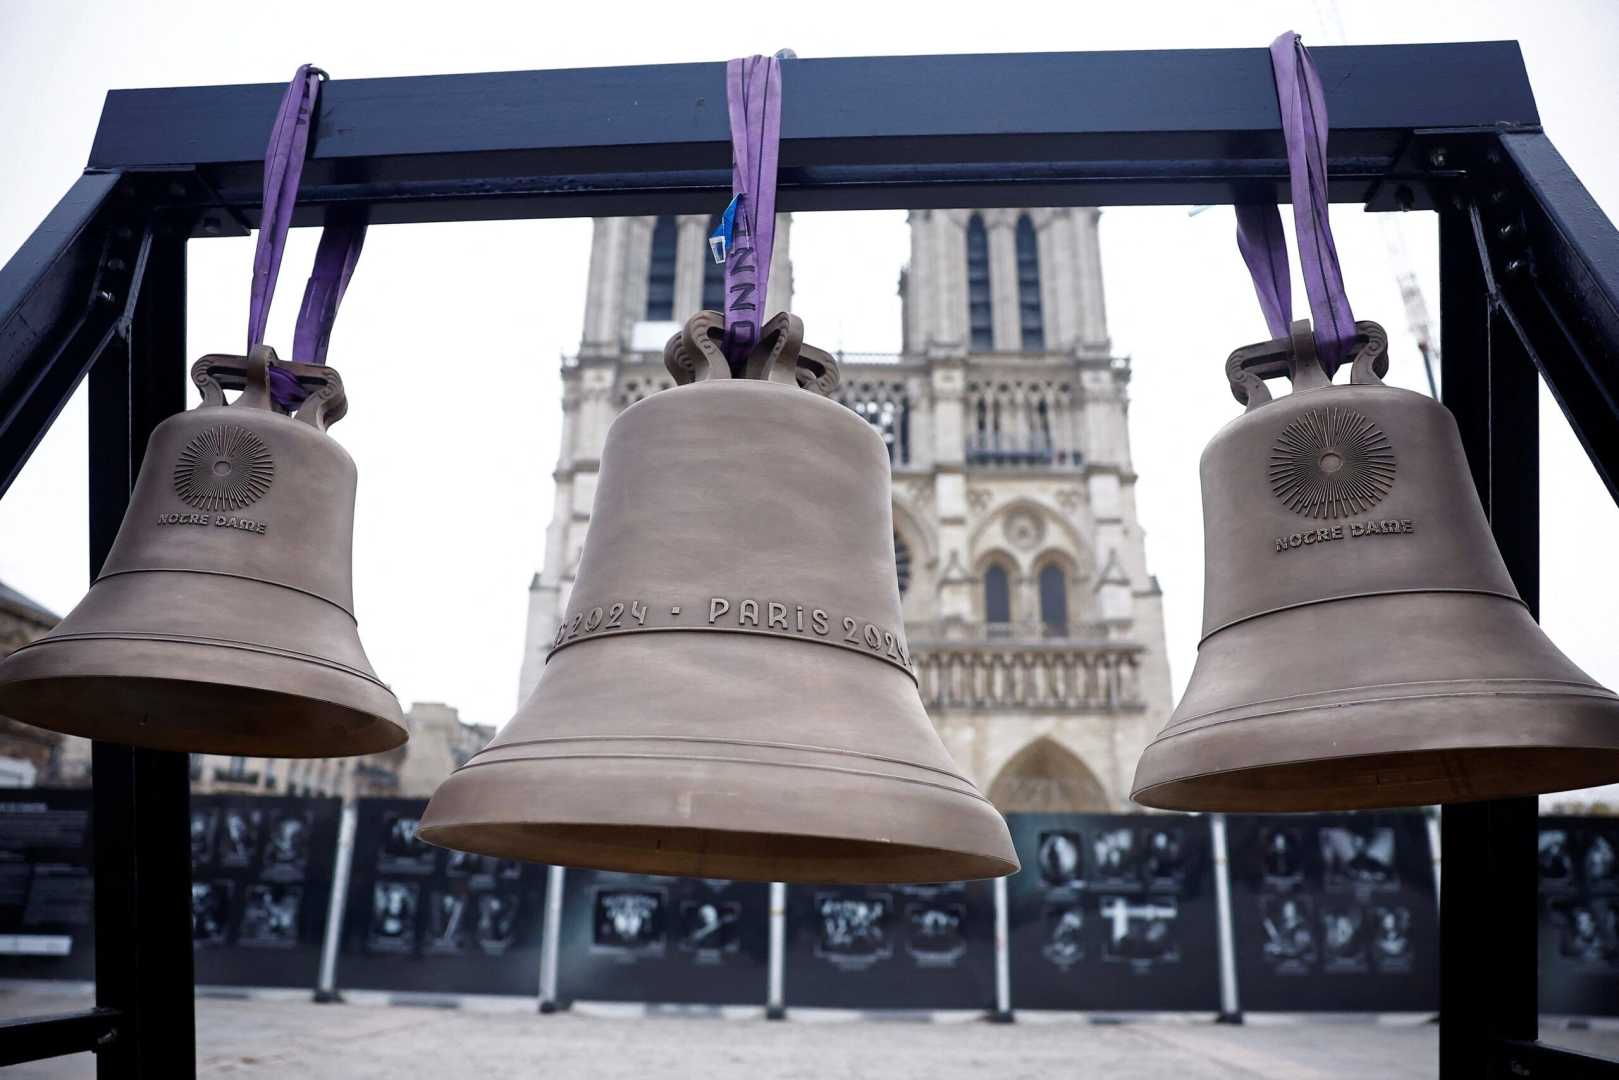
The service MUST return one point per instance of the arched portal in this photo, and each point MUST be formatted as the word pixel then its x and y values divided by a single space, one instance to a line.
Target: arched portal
pixel 1044 778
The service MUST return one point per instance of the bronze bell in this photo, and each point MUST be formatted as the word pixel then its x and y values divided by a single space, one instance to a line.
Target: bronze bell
pixel 730 693
pixel 1362 643
pixel 222 621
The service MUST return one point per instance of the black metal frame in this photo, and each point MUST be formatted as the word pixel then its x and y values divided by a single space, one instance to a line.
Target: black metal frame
pixel 1530 282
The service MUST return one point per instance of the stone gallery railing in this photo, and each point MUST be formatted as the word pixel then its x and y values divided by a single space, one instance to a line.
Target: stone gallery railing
pixel 1049 674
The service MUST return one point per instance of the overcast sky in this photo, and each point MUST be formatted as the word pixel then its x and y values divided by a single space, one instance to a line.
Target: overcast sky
pixel 450 337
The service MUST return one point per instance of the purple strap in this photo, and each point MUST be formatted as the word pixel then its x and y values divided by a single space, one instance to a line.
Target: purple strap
pixel 753 92
pixel 1259 226
pixel 339 244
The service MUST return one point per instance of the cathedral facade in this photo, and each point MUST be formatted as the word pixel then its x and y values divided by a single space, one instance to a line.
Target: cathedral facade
pixel 1036 629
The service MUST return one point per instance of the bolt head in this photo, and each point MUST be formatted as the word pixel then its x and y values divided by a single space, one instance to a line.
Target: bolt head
pixel 1437 157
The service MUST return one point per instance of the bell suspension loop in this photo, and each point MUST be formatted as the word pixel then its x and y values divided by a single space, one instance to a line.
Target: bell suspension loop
pixel 1259 225
pixel 753 96
pixel 340 244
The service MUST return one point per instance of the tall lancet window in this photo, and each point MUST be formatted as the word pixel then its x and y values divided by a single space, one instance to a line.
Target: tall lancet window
pixel 997 595
pixel 1054 600
pixel 660 273
pixel 981 334
pixel 713 273
pixel 1028 286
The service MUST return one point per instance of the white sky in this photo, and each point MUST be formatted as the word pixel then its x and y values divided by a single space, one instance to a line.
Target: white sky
pixel 450 337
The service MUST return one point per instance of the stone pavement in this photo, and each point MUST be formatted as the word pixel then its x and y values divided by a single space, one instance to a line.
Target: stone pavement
pixel 264 1039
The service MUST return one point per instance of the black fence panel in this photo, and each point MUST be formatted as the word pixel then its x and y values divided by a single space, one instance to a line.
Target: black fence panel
pixel 692 941
pixel 1579 916
pixel 1113 912
pixel 891 946
pixel 47 885
pixel 420 918
pixel 1334 912
pixel 261 887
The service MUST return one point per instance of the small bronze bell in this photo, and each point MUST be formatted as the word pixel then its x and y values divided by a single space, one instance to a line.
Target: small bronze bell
pixel 730 693
pixel 222 621
pixel 1363 645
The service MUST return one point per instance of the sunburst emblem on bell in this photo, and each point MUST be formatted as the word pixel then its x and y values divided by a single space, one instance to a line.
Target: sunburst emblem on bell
pixel 1363 645
pixel 223 619
pixel 730 693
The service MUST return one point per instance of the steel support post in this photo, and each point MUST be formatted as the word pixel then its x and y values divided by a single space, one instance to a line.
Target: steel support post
pixel 1487 995
pixel 142 798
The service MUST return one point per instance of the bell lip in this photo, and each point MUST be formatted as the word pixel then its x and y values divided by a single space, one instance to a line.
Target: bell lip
pixel 1197 793
pixel 527 815
pixel 1419 751
pixel 316 728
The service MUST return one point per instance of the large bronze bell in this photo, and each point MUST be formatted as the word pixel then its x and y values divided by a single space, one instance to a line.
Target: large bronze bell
pixel 1362 644
pixel 730 693
pixel 222 621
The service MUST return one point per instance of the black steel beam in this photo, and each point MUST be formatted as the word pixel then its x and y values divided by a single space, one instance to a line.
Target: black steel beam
pixel 901 132
pixel 1489 894
pixel 1555 257
pixel 141 817
pixel 31 1038
pixel 60 296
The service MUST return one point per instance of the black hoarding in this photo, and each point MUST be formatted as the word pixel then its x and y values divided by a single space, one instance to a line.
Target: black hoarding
pixel 630 937
pixel 47 892
pixel 420 918
pixel 1334 912
pixel 891 946
pixel 1113 912
pixel 261 887
pixel 1579 916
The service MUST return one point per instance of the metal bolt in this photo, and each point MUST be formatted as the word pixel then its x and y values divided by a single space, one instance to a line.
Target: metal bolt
pixel 1507 231
pixel 107 1038
pixel 1404 197
pixel 1514 266
pixel 1437 157
pixel 116 264
pixel 210 226
pixel 106 296
pixel 1498 196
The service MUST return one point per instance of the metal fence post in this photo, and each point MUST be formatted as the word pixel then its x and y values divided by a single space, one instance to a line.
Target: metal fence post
pixel 775 985
pixel 326 990
pixel 551 940
pixel 1003 956
pixel 1230 1003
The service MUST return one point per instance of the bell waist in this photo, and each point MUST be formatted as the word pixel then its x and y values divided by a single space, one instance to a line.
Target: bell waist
pixel 338 604
pixel 1365 594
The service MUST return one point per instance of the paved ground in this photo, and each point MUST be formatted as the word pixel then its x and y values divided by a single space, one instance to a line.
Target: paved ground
pixel 264 1039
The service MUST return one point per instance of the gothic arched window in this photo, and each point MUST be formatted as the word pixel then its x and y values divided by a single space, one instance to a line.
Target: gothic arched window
pixel 997 595
pixel 902 564
pixel 1054 600
pixel 660 273
pixel 1030 322
pixel 713 273
pixel 980 327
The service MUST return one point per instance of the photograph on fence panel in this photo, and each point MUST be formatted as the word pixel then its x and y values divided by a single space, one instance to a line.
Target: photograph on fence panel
pixel 1579 916
pixel 47 891
pixel 891 946
pixel 690 941
pixel 261 887
pixel 1334 912
pixel 420 918
pixel 1112 912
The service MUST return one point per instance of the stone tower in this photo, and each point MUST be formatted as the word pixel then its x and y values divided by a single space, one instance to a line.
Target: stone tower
pixel 1036 629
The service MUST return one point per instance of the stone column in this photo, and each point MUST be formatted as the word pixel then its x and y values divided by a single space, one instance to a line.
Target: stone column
pixel 1004 323
pixel 691 253
pixel 604 292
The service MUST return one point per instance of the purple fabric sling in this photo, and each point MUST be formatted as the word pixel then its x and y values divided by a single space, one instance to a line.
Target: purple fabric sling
pixel 340 243
pixel 1259 225
pixel 753 92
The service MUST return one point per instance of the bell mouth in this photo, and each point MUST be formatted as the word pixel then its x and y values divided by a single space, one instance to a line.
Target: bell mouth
pixel 719 853
pixel 202 717
pixel 1388 781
